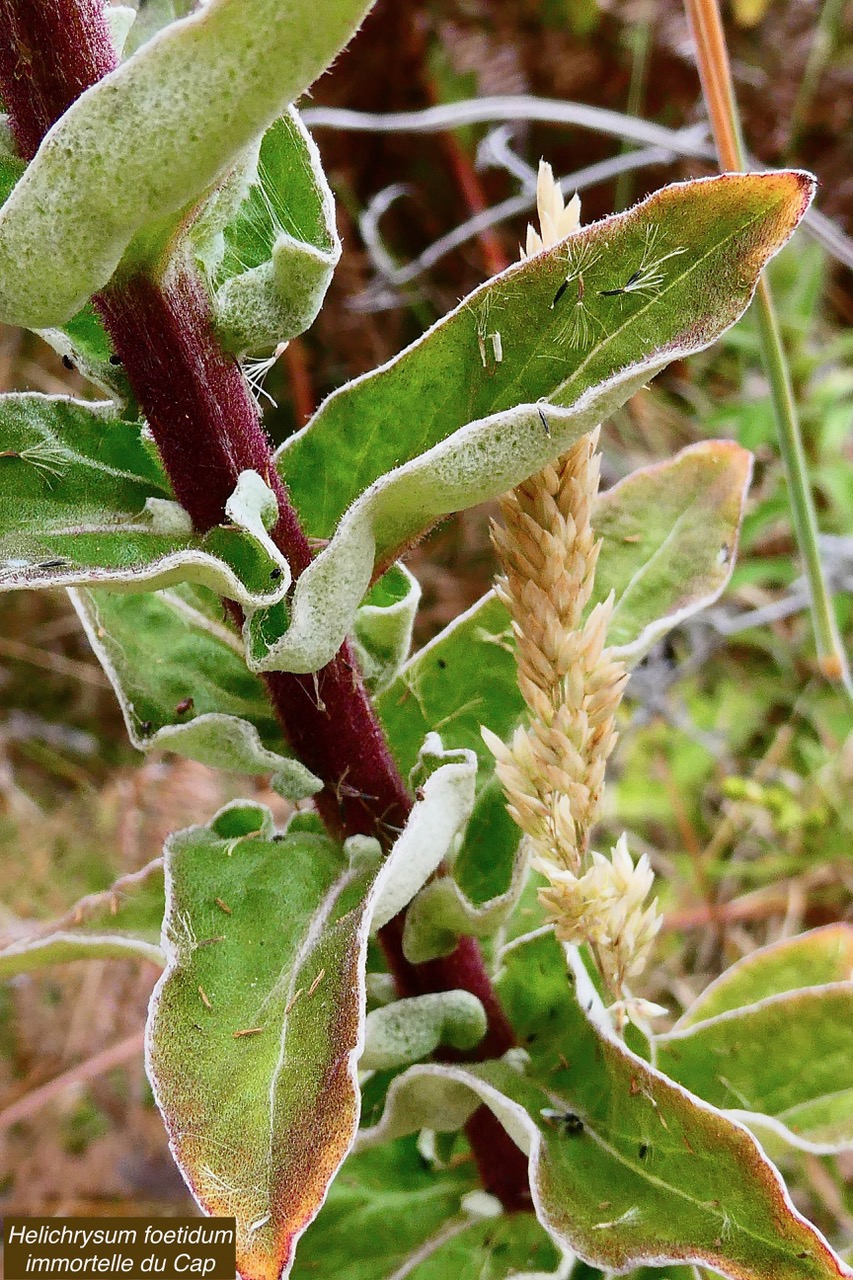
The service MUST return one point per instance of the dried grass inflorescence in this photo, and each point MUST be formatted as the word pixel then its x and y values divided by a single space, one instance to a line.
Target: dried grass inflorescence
pixel 552 771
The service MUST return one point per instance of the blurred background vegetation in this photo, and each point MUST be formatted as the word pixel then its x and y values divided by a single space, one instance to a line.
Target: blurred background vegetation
pixel 735 765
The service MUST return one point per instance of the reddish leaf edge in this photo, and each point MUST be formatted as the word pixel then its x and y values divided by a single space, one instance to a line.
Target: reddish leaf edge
pixel 528 1137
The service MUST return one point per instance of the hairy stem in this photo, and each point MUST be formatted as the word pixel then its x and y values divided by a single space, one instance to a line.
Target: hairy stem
pixel 207 427
pixel 49 53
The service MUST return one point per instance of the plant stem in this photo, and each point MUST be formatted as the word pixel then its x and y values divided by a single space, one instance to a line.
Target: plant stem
pixel 715 73
pixel 207 428
pixel 824 39
pixel 49 53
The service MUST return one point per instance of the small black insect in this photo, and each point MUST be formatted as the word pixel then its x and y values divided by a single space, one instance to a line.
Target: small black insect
pixel 68 362
pixel 565 1122
pixel 644 1150
pixel 276 573
pixel 544 422
pixel 441 664
pixel 52 564
pixel 146 727
pixel 114 359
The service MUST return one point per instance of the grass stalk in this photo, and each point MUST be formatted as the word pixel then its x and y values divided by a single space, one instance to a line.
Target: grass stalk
pixel 715 72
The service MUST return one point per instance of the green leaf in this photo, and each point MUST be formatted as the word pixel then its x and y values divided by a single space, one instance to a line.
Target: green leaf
pixel 181 681
pixel 473 658
pixel 583 1272
pixel 259 1123
pixel 784 1063
pixel 272 263
pixel 406 1031
pixel 121 923
pixel 626 1168
pixel 84 501
pixel 11 169
pixel 503 1248
pixel 382 1208
pixel 137 148
pixel 84 341
pixel 152 17
pixel 382 629
pixel 669 538
pixel 388 1214
pixel 812 959
pixel 466 429
pixel 661 1273
pixel 121 18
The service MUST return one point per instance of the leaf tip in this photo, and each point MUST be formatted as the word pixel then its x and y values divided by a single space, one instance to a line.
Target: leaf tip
pixel 797 188
pixel 791 191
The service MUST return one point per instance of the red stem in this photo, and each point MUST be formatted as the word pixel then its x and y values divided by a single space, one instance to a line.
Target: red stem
pixel 207 427
pixel 49 53
pixel 495 259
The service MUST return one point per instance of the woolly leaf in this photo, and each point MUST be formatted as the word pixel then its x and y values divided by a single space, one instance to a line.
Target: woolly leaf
pixel 272 263
pixel 121 923
pixel 784 1063
pixel 137 148
pixel 229 1099
pixel 256 1026
pixel 669 538
pixel 382 629
pixel 435 824
pixel 626 1168
pixel 83 339
pixel 84 501
pixel 466 428
pixel 408 1030
pixel 181 682
pixel 121 18
pixel 813 959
